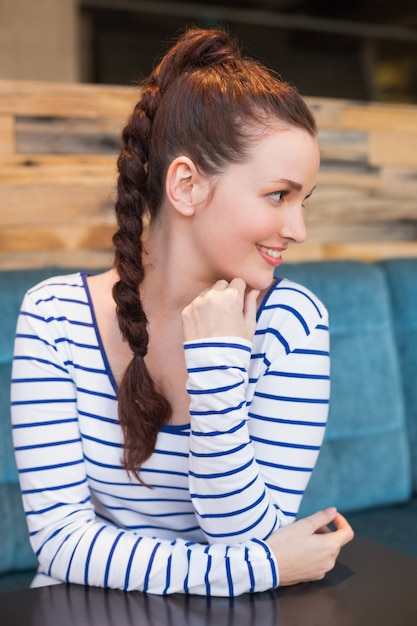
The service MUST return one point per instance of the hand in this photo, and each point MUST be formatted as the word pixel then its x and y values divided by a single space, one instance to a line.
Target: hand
pixel 224 310
pixel 307 549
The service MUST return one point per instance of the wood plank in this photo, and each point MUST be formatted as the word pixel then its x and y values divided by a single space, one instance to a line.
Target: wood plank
pixel 29 239
pixel 341 145
pixel 47 98
pixel 370 251
pixel 347 174
pixel 40 169
pixel 398 181
pixel 65 135
pixel 116 101
pixel 391 181
pixel 97 237
pixel 325 231
pixel 344 203
pixel 327 111
pixel 84 259
pixel 36 238
pixel 53 204
pixel 393 148
pixel 380 117
pixel 7 134
pixel 304 252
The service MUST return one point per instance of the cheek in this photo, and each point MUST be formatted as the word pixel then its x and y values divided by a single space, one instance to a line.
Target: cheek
pixel 232 222
pixel 266 223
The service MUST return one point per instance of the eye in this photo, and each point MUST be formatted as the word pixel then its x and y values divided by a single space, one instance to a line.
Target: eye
pixel 277 196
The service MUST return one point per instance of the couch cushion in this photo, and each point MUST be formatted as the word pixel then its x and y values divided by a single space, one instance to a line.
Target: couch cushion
pixel 402 279
pixel 15 550
pixel 365 458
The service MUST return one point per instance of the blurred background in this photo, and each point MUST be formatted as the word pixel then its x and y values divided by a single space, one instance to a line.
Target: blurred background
pixel 68 80
pixel 357 49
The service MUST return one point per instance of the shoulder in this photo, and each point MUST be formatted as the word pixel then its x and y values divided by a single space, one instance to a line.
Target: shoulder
pixel 292 313
pixel 286 295
pixel 57 285
pixel 57 297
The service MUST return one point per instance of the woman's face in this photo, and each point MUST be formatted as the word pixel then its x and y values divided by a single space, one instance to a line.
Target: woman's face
pixel 256 209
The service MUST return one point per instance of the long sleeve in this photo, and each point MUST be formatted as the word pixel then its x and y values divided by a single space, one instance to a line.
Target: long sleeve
pixel 68 447
pixel 258 416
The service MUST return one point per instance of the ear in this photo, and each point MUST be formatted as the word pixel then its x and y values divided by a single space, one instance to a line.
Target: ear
pixel 184 185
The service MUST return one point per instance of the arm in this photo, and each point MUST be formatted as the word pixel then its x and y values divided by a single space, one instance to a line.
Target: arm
pixel 71 542
pixel 258 424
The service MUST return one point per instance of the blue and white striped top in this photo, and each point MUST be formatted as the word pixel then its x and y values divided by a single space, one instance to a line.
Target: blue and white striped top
pixel 220 485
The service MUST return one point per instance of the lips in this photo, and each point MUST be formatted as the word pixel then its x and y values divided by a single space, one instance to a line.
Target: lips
pixel 272 252
pixel 271 255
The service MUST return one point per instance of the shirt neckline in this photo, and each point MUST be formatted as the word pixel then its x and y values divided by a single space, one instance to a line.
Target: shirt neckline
pixel 84 275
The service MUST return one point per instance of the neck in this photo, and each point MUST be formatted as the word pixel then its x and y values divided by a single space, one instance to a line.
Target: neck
pixel 171 277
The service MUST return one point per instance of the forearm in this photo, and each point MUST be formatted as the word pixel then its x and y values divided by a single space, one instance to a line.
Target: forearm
pixel 96 554
pixel 227 489
pixel 251 459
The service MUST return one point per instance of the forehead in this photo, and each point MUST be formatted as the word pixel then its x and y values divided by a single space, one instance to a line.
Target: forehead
pixel 283 149
pixel 281 136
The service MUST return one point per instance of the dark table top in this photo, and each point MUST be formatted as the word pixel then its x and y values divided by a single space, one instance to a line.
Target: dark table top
pixel 371 585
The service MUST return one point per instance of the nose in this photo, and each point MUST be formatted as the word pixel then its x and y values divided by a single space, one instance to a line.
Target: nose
pixel 293 227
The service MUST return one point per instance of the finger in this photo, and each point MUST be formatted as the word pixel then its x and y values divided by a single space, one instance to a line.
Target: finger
pixel 220 285
pixel 320 519
pixel 203 293
pixel 250 304
pixel 238 284
pixel 343 528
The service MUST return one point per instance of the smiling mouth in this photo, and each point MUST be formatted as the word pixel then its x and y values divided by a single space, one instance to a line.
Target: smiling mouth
pixel 275 254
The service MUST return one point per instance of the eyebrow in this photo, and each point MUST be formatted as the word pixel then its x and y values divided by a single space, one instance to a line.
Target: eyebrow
pixel 293 185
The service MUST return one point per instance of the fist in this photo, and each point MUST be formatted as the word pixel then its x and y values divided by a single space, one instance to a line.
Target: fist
pixel 224 310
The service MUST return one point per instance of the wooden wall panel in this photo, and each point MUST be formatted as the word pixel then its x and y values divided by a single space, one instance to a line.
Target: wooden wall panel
pixel 7 134
pixel 380 117
pixel 66 135
pixel 69 169
pixel 393 148
pixel 32 205
pixel 58 149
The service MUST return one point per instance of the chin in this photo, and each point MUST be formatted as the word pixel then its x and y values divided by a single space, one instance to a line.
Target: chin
pixel 261 283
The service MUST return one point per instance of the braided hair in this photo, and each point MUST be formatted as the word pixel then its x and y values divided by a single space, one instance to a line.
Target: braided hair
pixel 208 102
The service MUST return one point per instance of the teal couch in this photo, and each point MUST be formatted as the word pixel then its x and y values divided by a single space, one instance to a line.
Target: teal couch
pixel 368 464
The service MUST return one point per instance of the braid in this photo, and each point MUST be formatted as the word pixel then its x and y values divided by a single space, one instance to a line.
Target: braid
pixel 142 410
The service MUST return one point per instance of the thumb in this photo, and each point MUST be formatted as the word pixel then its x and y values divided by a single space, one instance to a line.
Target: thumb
pixel 320 519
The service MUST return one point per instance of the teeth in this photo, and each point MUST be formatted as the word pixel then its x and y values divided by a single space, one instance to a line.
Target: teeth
pixel 276 254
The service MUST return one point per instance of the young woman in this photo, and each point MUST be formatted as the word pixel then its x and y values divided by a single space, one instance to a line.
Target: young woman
pixel 168 413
